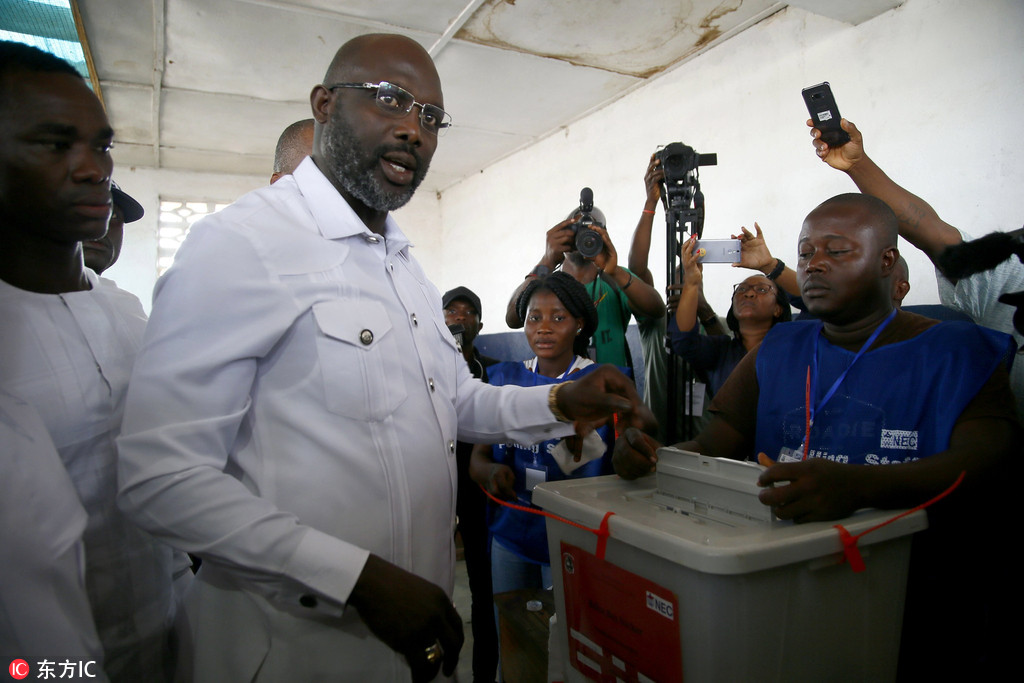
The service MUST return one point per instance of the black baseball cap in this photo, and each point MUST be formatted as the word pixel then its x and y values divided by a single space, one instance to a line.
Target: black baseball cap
pixel 463 293
pixel 131 209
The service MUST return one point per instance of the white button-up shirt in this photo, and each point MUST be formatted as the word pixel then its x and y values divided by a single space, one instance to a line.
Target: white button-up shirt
pixel 69 356
pixel 295 408
pixel 44 611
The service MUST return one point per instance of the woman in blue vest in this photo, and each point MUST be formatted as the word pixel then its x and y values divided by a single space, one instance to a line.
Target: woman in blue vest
pixel 559 320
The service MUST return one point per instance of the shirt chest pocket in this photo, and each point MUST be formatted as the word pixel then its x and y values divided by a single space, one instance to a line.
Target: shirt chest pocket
pixel 356 345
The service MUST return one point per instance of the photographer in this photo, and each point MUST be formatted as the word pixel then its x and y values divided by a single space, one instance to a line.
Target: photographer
pixel 653 330
pixel 758 304
pixel 617 292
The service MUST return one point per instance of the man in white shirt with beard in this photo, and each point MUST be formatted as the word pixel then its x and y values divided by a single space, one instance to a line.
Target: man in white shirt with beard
pixel 294 411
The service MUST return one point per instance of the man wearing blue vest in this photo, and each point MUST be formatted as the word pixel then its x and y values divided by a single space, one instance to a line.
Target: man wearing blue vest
pixel 886 387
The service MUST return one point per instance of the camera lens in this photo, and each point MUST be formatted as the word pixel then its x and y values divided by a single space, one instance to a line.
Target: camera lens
pixel 588 243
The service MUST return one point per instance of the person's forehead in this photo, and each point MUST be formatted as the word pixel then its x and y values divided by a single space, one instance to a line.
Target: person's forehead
pixel 462 302
pixel 757 280
pixel 545 297
pixel 400 63
pixel 52 99
pixel 835 223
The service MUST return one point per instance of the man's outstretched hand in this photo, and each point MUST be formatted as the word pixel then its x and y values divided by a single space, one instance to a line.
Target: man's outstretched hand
pixel 845 156
pixel 409 614
pixel 604 392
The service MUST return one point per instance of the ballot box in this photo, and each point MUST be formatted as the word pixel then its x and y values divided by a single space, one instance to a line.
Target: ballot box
pixel 700 582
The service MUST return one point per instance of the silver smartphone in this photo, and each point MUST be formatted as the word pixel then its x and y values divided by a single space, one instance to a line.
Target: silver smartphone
pixel 718 251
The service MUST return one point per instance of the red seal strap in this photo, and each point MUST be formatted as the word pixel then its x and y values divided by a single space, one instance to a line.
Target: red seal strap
pixel 851 553
pixel 602 532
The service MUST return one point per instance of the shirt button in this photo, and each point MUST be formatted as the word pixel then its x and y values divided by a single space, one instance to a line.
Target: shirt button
pixel 308 600
pixel 414 321
pixel 451 447
pixel 430 383
pixel 366 337
pixel 372 239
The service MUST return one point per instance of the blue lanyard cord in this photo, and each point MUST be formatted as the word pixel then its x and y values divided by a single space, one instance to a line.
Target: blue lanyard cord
pixel 839 380
pixel 536 362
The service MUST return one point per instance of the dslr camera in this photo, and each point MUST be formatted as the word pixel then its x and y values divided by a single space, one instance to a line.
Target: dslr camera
pixel 588 241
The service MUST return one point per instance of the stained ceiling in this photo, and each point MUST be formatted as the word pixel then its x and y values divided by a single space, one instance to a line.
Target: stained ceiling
pixel 208 85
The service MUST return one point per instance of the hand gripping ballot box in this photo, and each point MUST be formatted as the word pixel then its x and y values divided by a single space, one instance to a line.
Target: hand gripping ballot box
pixel 700 582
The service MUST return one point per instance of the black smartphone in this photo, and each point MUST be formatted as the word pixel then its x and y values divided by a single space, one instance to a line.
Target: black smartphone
pixel 821 105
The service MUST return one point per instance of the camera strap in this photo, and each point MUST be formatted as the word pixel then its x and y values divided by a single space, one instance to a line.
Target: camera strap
pixel 623 322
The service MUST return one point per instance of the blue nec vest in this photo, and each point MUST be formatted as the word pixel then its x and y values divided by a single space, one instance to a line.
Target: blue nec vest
pixel 522 532
pixel 898 403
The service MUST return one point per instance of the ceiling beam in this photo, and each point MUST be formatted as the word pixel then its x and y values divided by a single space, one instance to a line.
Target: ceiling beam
pixel 159 58
pixel 453 27
pixel 83 40
pixel 853 13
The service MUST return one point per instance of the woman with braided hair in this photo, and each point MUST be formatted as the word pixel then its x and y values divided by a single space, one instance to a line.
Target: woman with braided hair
pixel 559 319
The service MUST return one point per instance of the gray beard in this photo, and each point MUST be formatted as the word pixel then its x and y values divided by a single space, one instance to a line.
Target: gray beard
pixel 355 173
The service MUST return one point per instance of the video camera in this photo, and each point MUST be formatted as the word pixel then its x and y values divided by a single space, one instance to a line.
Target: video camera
pixel 684 215
pixel 680 164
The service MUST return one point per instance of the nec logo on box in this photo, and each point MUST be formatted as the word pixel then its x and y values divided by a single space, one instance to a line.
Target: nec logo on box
pixel 659 605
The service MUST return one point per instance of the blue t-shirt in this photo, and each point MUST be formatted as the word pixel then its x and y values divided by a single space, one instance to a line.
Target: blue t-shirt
pixel 521 532
pixel 898 403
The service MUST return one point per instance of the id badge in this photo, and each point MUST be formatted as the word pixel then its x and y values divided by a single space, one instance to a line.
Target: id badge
pixel 699 392
pixel 533 477
pixel 791 455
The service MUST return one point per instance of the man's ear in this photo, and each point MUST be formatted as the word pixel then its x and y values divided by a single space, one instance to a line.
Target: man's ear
pixel 890 257
pixel 320 101
pixel 900 292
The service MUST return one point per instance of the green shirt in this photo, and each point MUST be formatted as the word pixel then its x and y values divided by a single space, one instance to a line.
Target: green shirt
pixel 613 316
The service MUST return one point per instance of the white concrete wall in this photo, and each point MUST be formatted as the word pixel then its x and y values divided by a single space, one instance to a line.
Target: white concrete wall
pixel 135 270
pixel 937 87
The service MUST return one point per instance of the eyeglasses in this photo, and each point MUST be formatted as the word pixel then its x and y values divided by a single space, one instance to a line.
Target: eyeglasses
pixel 760 290
pixel 397 102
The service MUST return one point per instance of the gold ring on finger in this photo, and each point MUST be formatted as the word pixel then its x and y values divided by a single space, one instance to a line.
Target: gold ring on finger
pixel 434 652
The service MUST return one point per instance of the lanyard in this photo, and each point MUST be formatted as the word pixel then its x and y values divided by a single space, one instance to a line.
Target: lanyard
pixel 839 380
pixel 565 374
